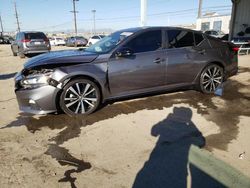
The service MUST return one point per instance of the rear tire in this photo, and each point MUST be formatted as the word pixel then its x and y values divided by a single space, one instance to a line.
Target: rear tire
pixel 14 53
pixel 80 97
pixel 21 54
pixel 211 78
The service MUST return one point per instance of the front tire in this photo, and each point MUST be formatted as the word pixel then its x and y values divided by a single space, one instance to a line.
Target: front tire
pixel 80 97
pixel 211 78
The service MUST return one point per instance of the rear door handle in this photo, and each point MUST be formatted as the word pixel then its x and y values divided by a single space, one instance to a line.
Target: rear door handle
pixel 157 60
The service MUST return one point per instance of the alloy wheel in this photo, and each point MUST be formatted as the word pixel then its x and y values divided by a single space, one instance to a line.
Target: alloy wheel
pixel 211 78
pixel 80 97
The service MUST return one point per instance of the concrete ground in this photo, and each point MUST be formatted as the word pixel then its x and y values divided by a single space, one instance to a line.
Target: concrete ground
pixel 136 143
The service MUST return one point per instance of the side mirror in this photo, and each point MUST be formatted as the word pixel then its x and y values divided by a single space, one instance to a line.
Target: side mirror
pixel 124 52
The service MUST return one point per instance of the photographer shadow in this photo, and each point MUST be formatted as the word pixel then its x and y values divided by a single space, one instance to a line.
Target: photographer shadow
pixel 167 165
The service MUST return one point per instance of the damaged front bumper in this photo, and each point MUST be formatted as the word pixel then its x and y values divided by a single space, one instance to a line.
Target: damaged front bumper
pixel 37 100
pixel 40 100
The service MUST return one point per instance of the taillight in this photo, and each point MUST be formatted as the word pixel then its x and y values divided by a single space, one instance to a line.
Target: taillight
pixel 235 49
pixel 25 40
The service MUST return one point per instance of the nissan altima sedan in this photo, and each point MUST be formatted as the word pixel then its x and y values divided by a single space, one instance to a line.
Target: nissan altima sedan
pixel 127 63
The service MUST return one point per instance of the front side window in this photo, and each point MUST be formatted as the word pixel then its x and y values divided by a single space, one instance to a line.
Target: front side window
pixel 148 41
pixel 178 38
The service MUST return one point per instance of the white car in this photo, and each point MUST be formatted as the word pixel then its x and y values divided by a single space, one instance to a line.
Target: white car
pixel 95 39
pixel 57 41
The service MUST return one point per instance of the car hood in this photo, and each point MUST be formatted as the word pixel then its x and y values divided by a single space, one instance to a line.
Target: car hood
pixel 60 58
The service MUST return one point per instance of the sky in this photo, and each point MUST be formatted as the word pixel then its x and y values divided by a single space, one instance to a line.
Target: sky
pixel 55 15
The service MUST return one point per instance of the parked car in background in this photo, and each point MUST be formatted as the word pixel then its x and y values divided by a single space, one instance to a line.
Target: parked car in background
pixel 6 39
pixel 94 39
pixel 76 41
pixel 225 37
pixel 57 41
pixel 127 63
pixel 27 43
pixel 2 40
pixel 214 33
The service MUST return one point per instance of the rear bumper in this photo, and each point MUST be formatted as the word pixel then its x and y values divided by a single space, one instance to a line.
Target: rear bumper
pixel 35 51
pixel 232 72
pixel 41 100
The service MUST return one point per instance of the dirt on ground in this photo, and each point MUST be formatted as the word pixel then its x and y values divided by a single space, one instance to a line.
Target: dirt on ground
pixel 124 143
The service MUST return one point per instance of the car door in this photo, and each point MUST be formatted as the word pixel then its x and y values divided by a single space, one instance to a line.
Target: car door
pixel 144 69
pixel 184 59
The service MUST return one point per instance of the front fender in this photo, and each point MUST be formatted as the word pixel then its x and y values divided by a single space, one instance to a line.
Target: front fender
pixel 97 72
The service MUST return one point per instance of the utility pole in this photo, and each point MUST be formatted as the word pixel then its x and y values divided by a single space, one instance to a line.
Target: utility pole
pixel 143 12
pixel 94 32
pixel 1 25
pixel 74 12
pixel 17 19
pixel 200 9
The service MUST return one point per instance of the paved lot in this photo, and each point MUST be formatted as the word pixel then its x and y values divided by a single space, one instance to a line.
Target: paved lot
pixel 122 144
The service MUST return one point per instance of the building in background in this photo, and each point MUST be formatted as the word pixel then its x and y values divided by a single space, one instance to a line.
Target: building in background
pixel 213 21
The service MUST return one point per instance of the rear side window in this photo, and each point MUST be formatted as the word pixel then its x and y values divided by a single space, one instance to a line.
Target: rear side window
pixel 198 38
pixel 179 38
pixel 148 41
pixel 35 36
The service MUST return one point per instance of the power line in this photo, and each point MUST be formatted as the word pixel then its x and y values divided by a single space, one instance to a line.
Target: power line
pixel 17 19
pixel 168 13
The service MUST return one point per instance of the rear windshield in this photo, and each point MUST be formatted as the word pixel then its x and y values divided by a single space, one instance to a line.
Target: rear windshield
pixel 39 35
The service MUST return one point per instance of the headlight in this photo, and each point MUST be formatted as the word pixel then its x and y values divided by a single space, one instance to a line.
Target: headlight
pixel 37 80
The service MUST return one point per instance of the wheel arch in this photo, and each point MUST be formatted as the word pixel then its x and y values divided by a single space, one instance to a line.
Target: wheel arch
pixel 78 76
pixel 206 65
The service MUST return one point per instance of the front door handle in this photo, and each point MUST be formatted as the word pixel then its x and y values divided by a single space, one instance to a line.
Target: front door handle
pixel 157 60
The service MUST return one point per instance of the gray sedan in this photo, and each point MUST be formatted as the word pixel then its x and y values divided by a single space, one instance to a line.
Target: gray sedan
pixel 127 63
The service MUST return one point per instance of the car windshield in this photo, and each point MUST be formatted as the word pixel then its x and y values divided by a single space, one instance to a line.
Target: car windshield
pixel 108 43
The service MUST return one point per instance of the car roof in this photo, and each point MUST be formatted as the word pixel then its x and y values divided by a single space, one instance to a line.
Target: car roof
pixel 137 29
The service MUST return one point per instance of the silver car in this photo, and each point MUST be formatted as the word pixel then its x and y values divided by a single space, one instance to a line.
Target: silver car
pixel 27 43
pixel 127 63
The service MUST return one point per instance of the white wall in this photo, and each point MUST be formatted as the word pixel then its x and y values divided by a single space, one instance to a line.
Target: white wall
pixel 225 22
